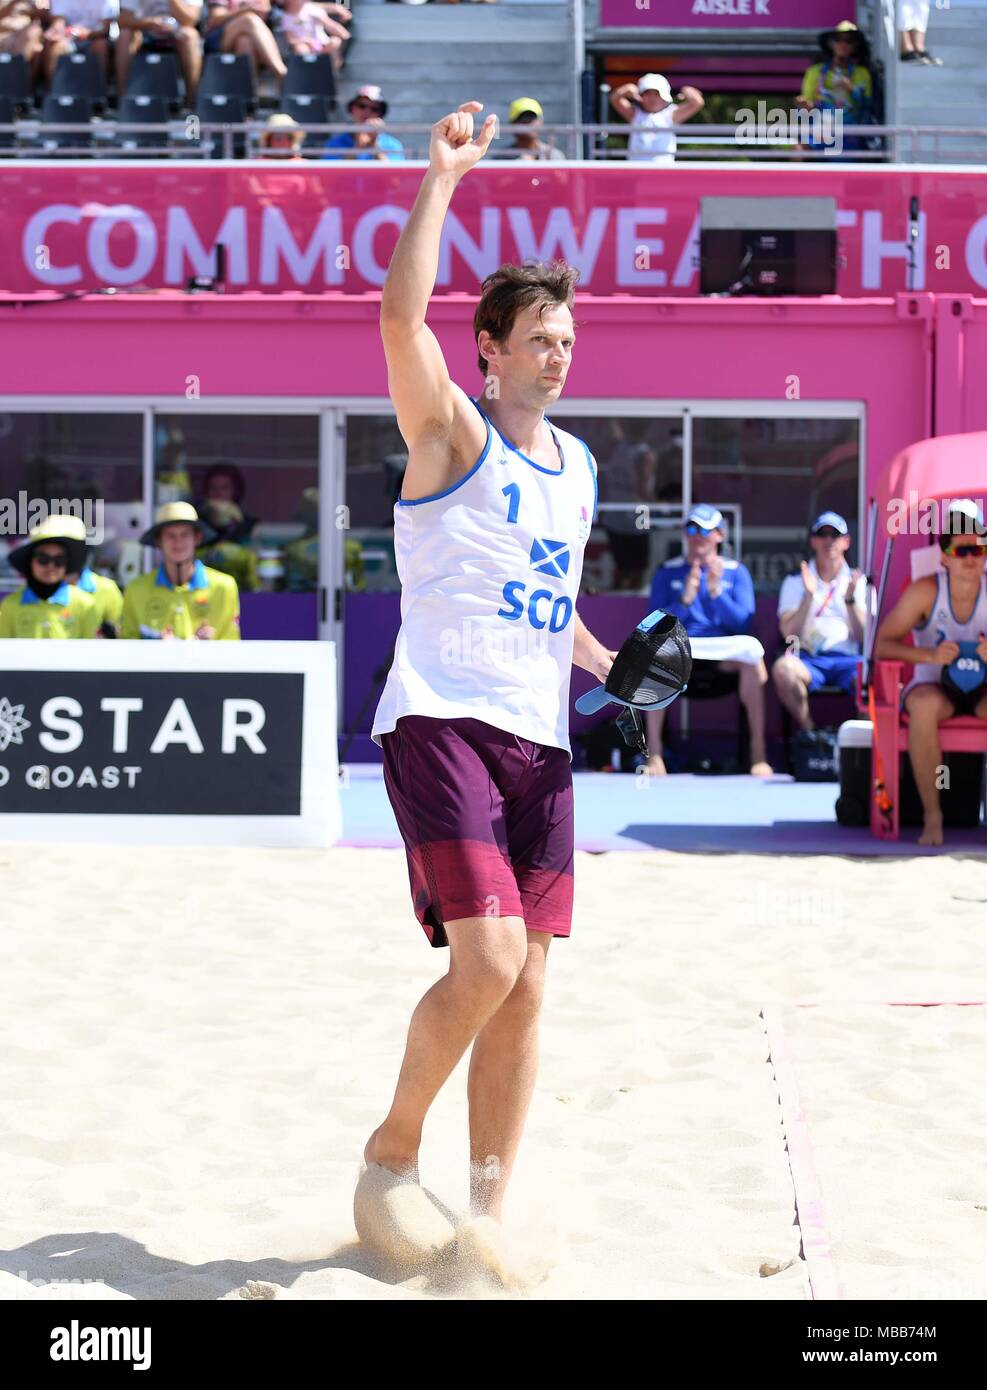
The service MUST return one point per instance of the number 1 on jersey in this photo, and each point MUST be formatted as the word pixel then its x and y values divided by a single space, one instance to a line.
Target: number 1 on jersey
pixel 513 492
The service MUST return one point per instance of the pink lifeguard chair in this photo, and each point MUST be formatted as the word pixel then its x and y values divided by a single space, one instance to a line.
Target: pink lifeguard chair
pixel 950 466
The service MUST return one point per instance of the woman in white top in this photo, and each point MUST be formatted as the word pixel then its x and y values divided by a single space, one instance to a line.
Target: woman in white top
pixel 652 112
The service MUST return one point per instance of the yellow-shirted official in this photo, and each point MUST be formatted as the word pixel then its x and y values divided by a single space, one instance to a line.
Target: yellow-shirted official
pixel 48 606
pixel 182 599
pixel 105 592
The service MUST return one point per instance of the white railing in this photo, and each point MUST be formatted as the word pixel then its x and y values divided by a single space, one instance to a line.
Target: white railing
pixel 27 139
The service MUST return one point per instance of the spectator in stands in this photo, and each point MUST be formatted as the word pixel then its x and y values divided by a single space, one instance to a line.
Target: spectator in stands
pixel 821 616
pixel 652 112
pixel 181 599
pixel 225 483
pixel 527 144
pixel 48 605
pixel 241 26
pixel 627 476
pixel 913 21
pixel 80 26
pixel 946 615
pixel 156 26
pixel 225 554
pixel 368 107
pixel 282 138
pixel 20 29
pixel 841 81
pixel 712 597
pixel 309 28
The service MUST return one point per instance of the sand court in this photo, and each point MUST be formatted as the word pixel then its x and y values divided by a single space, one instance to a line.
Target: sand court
pixel 191 1070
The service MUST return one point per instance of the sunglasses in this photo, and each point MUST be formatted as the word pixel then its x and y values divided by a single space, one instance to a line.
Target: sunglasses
pixel 363 105
pixel 694 529
pixel 827 533
pixel 48 557
pixel 962 552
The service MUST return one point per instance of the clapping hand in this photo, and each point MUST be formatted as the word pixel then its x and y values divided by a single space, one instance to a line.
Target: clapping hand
pixel 809 580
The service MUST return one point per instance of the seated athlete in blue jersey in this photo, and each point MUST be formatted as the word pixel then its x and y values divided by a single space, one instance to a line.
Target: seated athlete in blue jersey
pixel 490 528
pixel 712 597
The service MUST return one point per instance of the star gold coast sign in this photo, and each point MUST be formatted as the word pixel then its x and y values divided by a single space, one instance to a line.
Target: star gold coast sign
pixel 12 723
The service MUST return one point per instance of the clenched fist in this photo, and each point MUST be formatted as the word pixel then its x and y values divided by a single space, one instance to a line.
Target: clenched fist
pixel 453 148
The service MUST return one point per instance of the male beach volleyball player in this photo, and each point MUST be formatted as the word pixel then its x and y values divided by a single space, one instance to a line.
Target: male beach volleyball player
pixel 490 527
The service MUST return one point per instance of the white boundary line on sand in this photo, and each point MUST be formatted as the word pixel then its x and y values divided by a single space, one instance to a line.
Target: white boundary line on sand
pixel 823 1279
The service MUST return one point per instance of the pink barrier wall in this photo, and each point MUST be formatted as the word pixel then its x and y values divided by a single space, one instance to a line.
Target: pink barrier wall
pixel 714 14
pixel 629 229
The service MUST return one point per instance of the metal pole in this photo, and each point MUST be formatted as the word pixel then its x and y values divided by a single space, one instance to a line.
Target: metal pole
pixel 869 655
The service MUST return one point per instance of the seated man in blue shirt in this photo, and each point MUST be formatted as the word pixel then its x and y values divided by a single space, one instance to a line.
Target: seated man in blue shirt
pixel 368 107
pixel 712 597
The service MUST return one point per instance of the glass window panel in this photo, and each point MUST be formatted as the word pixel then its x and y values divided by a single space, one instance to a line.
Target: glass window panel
pixel 782 473
pixel 255 479
pixel 89 464
pixel 376 457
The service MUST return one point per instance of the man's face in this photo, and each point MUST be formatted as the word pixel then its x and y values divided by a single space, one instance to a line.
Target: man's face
pixel 827 544
pixel 653 101
pixel 530 121
pixel 178 542
pixel 534 361
pixel 221 488
pixel 702 546
pixel 966 556
pixel 363 110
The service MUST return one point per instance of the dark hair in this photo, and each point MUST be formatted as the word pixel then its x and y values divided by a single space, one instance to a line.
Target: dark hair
pixel 515 287
pixel 224 469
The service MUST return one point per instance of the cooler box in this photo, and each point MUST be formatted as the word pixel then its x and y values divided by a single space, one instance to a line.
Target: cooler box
pixel 962 801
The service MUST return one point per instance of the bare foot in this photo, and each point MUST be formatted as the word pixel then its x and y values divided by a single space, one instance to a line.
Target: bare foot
pixel 398 1219
pixel 402 1162
pixel 931 831
pixel 762 770
pixel 655 766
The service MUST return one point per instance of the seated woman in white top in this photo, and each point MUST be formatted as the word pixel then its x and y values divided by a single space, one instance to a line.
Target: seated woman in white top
pixel 652 112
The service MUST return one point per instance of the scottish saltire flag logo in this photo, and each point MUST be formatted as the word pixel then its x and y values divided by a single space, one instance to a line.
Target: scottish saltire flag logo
pixel 550 557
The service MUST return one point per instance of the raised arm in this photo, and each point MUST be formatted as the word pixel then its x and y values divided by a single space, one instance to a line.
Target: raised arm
pixel 690 101
pixel 625 100
pixel 443 431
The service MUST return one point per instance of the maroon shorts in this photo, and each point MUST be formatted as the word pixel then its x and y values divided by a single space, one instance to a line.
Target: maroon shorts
pixel 487 821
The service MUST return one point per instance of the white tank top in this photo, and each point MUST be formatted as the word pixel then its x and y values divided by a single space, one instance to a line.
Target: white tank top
pixel 489 571
pixel 944 626
pixel 653 135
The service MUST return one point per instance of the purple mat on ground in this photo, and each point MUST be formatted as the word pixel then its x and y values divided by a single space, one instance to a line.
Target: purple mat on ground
pixel 698 815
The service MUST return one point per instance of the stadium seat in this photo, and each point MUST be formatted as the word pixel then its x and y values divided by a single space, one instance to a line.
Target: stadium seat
pixel 15 80
pixel 66 110
pixel 310 75
pixel 8 115
pixel 229 75
pixel 80 75
pixel 155 75
pixel 143 110
pixel 309 110
pixel 219 109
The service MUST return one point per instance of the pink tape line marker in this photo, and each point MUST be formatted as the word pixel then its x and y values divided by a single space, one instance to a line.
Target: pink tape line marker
pixel 820 1265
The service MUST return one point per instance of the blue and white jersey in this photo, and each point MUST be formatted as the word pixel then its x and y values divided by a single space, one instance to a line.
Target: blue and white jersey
pixel 944 626
pixel 490 571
